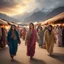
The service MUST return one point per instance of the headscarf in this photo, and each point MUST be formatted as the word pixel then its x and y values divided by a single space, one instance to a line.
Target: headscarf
pixel 50 30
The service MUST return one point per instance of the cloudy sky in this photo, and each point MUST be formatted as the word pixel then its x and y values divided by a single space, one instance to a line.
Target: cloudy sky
pixel 15 7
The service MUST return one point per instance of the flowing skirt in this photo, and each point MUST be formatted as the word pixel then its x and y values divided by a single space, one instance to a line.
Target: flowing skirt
pixel 30 49
pixel 49 47
pixel 13 46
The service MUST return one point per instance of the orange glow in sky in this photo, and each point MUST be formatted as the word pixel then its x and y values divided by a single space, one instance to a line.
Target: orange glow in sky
pixel 22 7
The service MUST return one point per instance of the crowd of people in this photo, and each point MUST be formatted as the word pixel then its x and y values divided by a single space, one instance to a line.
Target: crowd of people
pixel 3 35
pixel 59 34
pixel 46 38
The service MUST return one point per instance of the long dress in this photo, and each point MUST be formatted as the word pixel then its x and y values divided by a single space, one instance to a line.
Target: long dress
pixel 13 43
pixel 49 40
pixel 41 34
pixel 56 34
pixel 31 42
pixel 23 33
pixel 59 37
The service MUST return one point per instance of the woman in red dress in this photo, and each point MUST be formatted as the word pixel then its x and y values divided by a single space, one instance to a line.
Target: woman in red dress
pixel 31 40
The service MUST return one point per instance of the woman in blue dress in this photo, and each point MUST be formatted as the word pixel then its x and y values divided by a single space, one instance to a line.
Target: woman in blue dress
pixel 13 41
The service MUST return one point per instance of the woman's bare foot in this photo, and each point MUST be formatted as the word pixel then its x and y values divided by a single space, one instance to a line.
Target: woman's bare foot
pixel 31 57
pixel 12 58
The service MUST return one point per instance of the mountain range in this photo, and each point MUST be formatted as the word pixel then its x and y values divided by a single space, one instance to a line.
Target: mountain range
pixel 42 16
pixel 7 18
pixel 34 16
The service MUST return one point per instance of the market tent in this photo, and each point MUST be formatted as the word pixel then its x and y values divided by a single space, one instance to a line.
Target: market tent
pixel 2 22
pixel 58 19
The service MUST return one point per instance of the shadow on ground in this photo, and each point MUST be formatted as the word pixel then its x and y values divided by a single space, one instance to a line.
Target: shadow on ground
pixel 15 62
pixel 58 56
pixel 36 61
pixel 11 62
pixel 5 57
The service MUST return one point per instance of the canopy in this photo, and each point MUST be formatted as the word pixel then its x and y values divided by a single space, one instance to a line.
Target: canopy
pixel 59 21
pixel 2 22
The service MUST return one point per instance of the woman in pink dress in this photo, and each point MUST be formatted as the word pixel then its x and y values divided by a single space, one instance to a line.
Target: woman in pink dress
pixel 23 33
pixel 31 40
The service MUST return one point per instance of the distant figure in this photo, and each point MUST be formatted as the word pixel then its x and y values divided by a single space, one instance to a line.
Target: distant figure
pixel 59 34
pixel 63 37
pixel 3 38
pixel 39 27
pixel 31 40
pixel 13 41
pixel 49 39
pixel 23 33
pixel 18 29
pixel 0 37
pixel 40 34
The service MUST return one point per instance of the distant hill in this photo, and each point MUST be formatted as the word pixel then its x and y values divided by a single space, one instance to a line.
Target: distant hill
pixel 55 12
pixel 21 17
pixel 33 16
pixel 8 18
pixel 42 16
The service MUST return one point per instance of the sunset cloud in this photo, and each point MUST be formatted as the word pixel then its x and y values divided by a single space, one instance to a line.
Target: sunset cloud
pixel 49 4
pixel 14 7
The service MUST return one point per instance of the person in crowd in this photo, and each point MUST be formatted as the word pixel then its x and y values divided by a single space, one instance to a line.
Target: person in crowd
pixel 39 27
pixel 3 38
pixel 23 33
pixel 0 37
pixel 40 34
pixel 45 28
pixel 63 37
pixel 13 41
pixel 56 33
pixel 18 29
pixel 31 40
pixel 49 39
pixel 59 34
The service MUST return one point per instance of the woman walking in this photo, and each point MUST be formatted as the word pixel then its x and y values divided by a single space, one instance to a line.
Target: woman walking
pixel 49 39
pixel 40 34
pixel 23 33
pixel 13 41
pixel 31 41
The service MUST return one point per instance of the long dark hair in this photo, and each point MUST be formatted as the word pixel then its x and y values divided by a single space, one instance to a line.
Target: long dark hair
pixel 32 25
pixel 11 29
pixel 14 28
